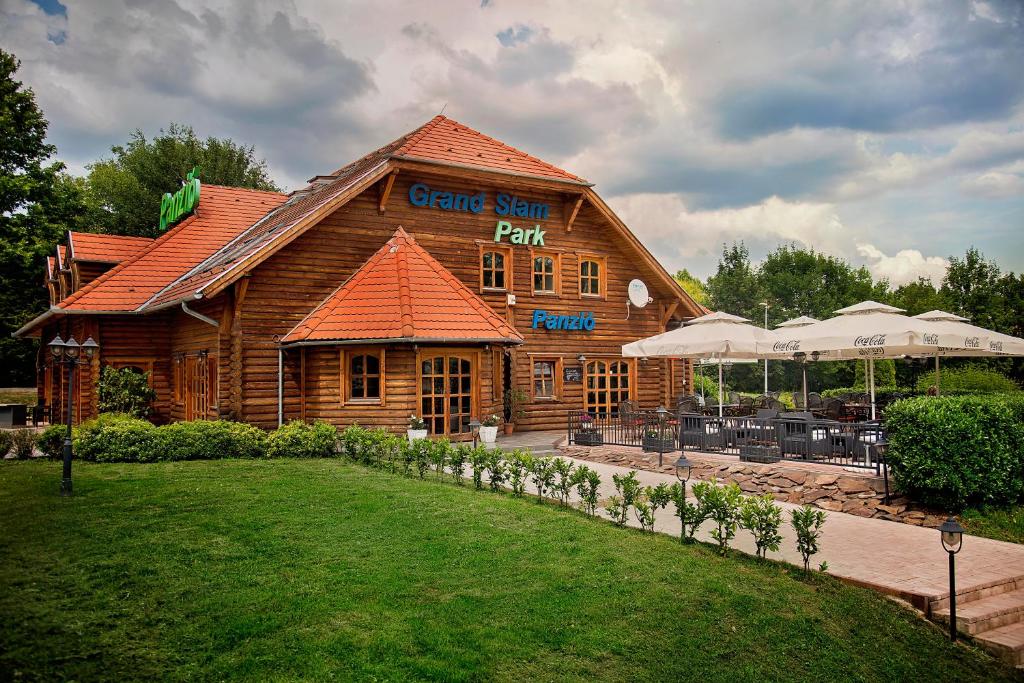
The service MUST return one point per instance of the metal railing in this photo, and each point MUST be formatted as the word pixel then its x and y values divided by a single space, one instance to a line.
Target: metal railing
pixel 847 444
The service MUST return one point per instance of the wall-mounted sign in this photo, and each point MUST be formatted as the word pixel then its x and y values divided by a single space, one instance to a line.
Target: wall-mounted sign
pixel 174 206
pixel 581 321
pixel 420 194
pixel 572 374
pixel 534 235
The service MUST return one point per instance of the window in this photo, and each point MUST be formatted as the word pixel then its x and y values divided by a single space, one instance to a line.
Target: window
pixel 362 375
pixel 447 391
pixel 545 273
pixel 547 378
pixel 608 383
pixel 592 276
pixel 495 268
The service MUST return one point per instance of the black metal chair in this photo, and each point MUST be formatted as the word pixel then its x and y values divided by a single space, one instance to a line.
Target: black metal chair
pixel 814 401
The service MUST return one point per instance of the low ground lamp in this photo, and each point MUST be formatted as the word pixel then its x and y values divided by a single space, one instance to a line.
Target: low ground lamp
pixel 474 425
pixel 952 540
pixel 683 475
pixel 70 353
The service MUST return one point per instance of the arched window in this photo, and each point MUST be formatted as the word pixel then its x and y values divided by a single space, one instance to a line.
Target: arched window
pixel 545 273
pixel 364 376
pixel 493 270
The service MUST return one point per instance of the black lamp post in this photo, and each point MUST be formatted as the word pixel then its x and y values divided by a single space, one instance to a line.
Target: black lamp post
pixel 662 414
pixel 952 541
pixel 683 475
pixel 474 425
pixel 70 353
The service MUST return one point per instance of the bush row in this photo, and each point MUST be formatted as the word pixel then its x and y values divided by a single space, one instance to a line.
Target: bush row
pixel 967 380
pixel 952 452
pixel 19 441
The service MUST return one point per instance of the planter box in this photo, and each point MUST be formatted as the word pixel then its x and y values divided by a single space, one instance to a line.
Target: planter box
pixel 653 444
pixel 759 453
pixel 489 434
pixel 589 439
pixel 416 434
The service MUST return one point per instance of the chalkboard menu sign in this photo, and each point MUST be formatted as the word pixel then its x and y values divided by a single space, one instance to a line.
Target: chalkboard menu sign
pixel 572 374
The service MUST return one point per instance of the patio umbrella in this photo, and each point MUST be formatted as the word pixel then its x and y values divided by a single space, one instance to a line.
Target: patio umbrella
pixel 999 344
pixel 869 330
pixel 802 321
pixel 719 335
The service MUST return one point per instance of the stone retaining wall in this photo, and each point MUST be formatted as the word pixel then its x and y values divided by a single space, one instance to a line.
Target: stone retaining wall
pixel 854 493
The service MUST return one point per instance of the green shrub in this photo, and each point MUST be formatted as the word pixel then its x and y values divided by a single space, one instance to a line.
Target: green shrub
pixel 721 505
pixel 885 376
pixel 588 484
pixel 298 439
pixel 125 391
pixel 807 522
pixel 710 386
pixel 627 492
pixel 206 440
pixel 967 380
pixel 112 437
pixel 24 442
pixel 954 451
pixel 51 441
pixel 762 518
pixel 6 441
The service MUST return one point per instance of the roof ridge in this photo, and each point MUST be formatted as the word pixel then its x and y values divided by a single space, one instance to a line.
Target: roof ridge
pixel 404 296
pixel 417 134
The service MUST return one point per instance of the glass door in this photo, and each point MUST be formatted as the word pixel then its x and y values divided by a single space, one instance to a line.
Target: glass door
pixel 608 384
pixel 446 392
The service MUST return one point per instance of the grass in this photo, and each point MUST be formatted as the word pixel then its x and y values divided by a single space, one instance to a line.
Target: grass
pixel 281 570
pixel 1002 524
pixel 17 395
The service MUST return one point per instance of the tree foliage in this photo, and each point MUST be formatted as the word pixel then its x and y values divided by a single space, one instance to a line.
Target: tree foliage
pixel 692 286
pixel 124 191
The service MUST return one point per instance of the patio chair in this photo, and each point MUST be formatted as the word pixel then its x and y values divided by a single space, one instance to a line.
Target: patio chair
pixel 814 401
pixel 798 401
pixel 686 403
pixel 631 418
pixel 734 397
pixel 746 405
pixel 834 409
pixel 696 433
pixel 775 404
pixel 800 436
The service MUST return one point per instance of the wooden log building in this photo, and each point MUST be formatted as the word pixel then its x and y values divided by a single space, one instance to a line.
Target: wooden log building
pixel 426 278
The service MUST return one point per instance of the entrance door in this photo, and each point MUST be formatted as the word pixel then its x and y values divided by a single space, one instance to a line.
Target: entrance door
pixel 608 384
pixel 447 382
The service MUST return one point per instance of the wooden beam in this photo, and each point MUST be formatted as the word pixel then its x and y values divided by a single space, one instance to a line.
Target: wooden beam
pixel 572 207
pixel 669 312
pixel 384 190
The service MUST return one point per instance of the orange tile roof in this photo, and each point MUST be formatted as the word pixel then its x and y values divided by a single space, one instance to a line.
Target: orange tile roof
pixel 101 248
pixel 403 293
pixel 447 140
pixel 222 214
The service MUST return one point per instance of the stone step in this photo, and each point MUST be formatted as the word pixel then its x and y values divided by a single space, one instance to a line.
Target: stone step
pixel 1005 642
pixel 980 592
pixel 984 614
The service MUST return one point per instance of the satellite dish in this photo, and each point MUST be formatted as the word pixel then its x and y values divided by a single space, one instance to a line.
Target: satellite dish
pixel 638 294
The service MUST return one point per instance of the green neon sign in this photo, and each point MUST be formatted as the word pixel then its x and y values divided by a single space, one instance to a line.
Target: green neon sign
pixel 174 206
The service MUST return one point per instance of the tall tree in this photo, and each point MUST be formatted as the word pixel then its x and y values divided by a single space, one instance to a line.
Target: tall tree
pixel 734 288
pixel 973 288
pixel 920 296
pixel 125 191
pixel 36 201
pixel 692 286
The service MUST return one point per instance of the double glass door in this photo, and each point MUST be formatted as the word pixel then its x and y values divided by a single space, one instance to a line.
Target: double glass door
pixel 607 385
pixel 446 392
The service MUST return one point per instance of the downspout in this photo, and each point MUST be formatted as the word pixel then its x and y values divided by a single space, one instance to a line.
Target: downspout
pixel 198 316
pixel 280 385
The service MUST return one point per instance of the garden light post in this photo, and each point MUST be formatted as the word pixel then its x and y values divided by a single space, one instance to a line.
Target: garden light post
pixel 474 425
pixel 683 475
pixel 70 353
pixel 952 541
pixel 662 421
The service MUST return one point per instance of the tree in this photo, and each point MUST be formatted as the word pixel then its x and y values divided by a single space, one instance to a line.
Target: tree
pixel 692 286
pixel 124 191
pixel 735 288
pixel 37 202
pixel 919 297
pixel 973 288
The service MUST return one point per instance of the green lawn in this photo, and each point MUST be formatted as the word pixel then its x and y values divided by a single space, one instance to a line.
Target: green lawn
pixel 278 570
pixel 1002 524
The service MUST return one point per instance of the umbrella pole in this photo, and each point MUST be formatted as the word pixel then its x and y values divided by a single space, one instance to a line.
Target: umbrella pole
pixel 938 390
pixel 719 386
pixel 803 366
pixel 871 375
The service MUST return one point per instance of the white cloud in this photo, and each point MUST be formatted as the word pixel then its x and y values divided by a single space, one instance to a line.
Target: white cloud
pixel 907 265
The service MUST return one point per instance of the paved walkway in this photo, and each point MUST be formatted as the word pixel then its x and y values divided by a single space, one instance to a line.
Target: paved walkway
pixel 899 559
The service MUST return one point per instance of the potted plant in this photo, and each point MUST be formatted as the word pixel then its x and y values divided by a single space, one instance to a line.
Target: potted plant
pixel 417 428
pixel 588 434
pixel 514 400
pixel 489 428
pixel 654 443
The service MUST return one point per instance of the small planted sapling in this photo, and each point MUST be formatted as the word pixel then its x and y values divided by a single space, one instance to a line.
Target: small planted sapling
pixel 497 469
pixel 478 462
pixel 722 506
pixel 807 522
pixel 439 453
pixel 762 518
pixel 587 483
pixel 457 462
pixel 543 476
pixel 658 497
pixel 563 479
pixel 518 467
pixel 408 457
pixel 422 456
pixel 627 490
pixel 644 512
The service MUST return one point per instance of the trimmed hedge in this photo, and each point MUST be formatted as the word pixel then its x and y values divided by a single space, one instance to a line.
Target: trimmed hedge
pixel 300 440
pixel 952 452
pixel 968 380
pixel 122 438
pixel 51 441
pixel 114 438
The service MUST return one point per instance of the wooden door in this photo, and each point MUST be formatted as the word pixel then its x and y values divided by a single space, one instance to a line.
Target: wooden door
pixel 608 383
pixel 447 391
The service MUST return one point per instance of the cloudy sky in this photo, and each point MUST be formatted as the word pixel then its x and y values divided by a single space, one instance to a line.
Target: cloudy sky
pixel 890 133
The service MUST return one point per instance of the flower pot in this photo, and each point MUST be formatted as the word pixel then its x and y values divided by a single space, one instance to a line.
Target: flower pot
pixel 653 444
pixel 416 434
pixel 509 428
pixel 489 434
pixel 588 439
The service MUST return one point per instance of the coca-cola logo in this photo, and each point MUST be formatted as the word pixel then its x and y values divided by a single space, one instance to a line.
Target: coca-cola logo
pixel 931 339
pixel 786 346
pixel 872 340
pixel 972 343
